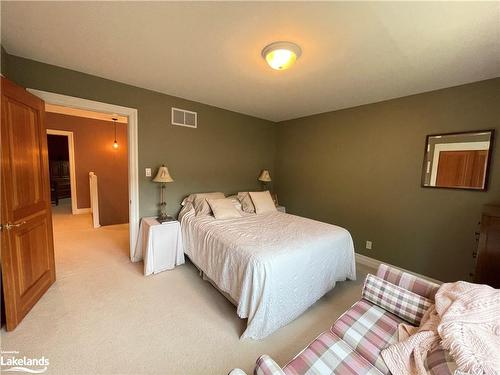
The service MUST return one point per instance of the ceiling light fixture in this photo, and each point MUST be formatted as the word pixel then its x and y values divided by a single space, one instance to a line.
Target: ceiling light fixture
pixel 281 55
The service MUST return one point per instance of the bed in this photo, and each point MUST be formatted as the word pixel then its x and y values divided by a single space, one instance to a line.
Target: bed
pixel 272 266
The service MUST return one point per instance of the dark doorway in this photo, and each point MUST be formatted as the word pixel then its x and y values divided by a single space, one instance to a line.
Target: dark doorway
pixel 60 183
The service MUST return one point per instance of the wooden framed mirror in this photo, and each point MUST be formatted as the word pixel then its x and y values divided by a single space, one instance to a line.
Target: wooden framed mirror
pixel 458 160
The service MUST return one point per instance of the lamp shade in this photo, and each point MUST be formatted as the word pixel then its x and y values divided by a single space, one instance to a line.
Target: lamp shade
pixel 265 176
pixel 163 175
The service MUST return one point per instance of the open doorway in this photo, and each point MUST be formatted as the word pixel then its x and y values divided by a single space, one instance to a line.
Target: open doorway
pixel 133 180
pixel 92 148
pixel 88 165
pixel 60 183
pixel 88 168
pixel 60 146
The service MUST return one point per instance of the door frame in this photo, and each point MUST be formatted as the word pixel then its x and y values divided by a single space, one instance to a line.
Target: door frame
pixel 133 172
pixel 72 173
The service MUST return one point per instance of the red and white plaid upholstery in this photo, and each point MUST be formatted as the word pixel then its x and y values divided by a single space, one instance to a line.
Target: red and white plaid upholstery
pixel 237 371
pixel 401 302
pixel 408 281
pixel 329 354
pixel 353 344
pixel 267 366
pixel 368 329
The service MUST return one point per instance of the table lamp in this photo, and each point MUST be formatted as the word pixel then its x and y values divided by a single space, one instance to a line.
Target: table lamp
pixel 163 177
pixel 264 178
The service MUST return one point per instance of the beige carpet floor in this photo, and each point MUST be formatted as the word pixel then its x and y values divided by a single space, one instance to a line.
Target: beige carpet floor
pixel 102 316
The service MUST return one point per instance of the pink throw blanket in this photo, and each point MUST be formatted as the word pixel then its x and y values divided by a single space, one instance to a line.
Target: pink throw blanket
pixel 465 321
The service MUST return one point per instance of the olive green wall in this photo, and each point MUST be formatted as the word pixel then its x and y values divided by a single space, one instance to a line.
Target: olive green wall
pixel 3 60
pixel 360 168
pixel 225 153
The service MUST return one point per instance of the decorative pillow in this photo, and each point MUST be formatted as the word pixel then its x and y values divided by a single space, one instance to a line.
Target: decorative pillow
pixel 201 205
pixel 223 208
pixel 236 202
pixel 191 197
pixel 399 301
pixel 263 202
pixel 246 202
pixel 408 281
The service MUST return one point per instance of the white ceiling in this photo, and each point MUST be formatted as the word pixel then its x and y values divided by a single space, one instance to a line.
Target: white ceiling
pixel 353 53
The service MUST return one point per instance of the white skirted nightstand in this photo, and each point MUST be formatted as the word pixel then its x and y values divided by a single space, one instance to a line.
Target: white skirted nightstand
pixel 160 245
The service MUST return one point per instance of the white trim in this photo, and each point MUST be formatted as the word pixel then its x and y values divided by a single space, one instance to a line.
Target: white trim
pixel 374 263
pixel 80 211
pixel 53 108
pixel 459 146
pixel 133 175
pixel 72 165
pixel 367 261
pixel 184 123
pixel 94 199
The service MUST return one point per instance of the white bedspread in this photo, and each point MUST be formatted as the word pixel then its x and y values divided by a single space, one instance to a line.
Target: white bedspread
pixel 274 265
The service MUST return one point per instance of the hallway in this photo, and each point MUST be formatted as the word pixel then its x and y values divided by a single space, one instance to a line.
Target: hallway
pixel 77 244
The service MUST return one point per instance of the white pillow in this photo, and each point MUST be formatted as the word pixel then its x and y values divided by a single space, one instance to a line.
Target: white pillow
pixel 262 201
pixel 236 202
pixel 223 208
pixel 246 202
pixel 200 202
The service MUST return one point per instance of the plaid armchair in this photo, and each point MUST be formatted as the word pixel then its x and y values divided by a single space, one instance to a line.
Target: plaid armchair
pixel 353 344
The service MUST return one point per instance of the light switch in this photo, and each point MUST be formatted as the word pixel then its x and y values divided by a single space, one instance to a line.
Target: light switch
pixel 148 172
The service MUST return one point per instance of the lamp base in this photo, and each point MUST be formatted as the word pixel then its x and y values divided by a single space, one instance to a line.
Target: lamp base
pixel 164 219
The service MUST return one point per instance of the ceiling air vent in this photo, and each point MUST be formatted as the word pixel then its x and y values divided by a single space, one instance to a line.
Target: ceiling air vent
pixel 182 117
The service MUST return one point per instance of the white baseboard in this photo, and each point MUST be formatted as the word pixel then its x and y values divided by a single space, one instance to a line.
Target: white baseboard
pixel 367 261
pixel 374 263
pixel 78 211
